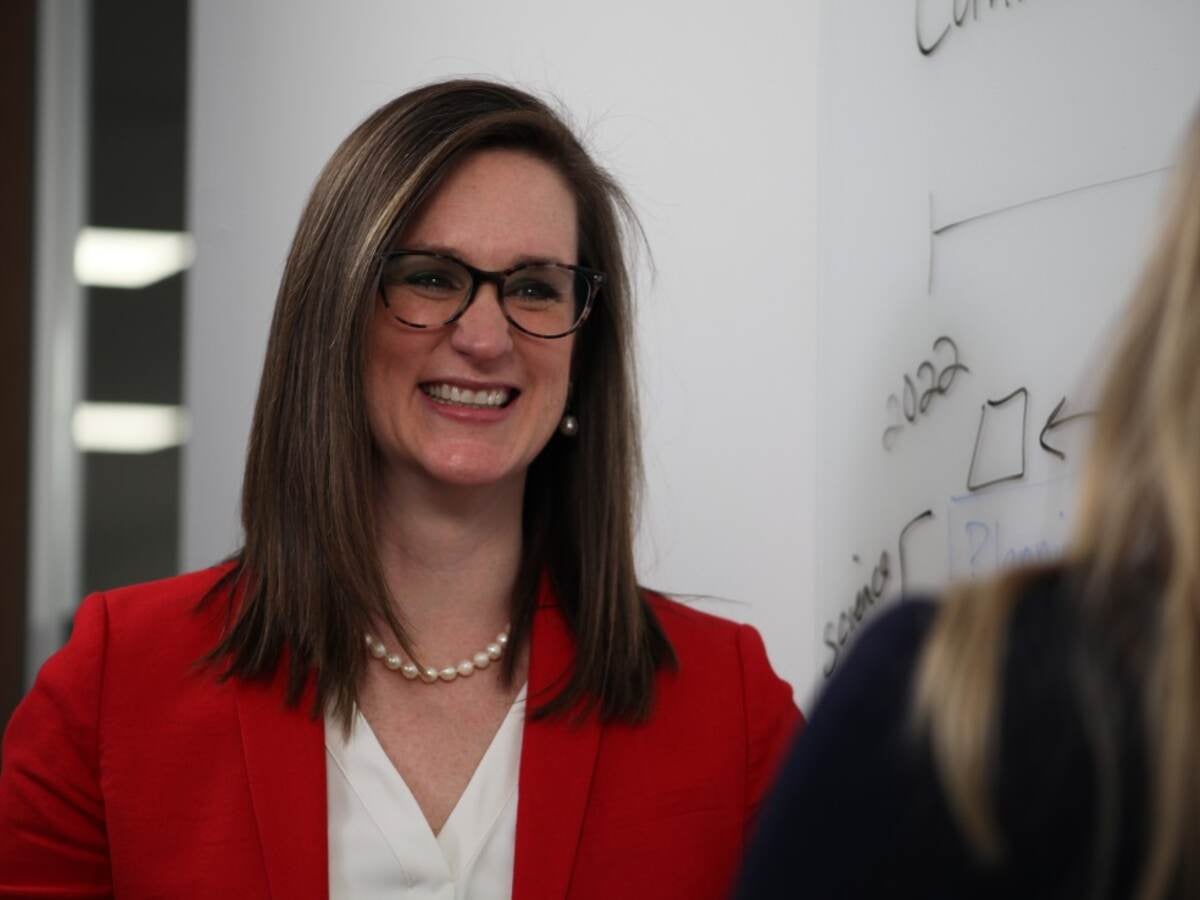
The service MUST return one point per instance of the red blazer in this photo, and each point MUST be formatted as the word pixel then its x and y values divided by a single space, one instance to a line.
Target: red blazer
pixel 130 771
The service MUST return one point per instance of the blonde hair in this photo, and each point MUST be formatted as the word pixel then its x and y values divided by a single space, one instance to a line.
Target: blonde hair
pixel 1139 524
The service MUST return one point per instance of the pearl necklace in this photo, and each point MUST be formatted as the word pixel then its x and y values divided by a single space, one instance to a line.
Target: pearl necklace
pixel 429 674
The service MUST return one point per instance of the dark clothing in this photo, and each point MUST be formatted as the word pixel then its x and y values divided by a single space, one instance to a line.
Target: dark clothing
pixel 858 810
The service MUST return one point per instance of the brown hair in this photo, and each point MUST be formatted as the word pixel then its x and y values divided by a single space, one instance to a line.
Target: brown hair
pixel 309 575
pixel 1139 526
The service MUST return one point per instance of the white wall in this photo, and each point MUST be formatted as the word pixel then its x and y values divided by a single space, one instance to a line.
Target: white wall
pixel 706 111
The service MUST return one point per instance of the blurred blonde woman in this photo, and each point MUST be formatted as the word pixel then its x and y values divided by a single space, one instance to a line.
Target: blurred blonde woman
pixel 1036 735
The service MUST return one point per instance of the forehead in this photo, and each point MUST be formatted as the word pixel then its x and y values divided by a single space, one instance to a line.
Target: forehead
pixel 496 208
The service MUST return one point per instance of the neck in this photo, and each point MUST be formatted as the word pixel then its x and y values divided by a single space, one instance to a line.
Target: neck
pixel 450 556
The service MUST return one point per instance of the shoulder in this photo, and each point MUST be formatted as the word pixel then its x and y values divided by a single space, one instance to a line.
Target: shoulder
pixel 168 594
pixel 718 642
pixel 144 631
pixel 167 601
pixel 689 628
pixel 125 645
pixel 861 710
pixel 723 669
pixel 694 633
pixel 887 649
pixel 687 624
pixel 870 693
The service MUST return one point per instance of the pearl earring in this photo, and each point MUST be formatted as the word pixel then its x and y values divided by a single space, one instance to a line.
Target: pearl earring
pixel 569 426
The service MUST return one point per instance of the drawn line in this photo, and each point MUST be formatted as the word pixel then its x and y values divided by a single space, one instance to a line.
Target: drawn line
pixel 932 235
pixel 937 232
pixel 1023 393
pixel 915 520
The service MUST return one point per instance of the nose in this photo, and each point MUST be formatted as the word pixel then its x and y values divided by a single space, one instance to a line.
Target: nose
pixel 482 332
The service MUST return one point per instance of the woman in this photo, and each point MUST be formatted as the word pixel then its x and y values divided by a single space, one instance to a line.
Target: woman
pixel 430 670
pixel 1036 735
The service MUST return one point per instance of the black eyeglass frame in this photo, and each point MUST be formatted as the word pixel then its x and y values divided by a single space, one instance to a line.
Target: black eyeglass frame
pixel 592 277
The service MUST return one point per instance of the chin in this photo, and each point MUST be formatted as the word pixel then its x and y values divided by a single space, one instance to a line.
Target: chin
pixel 470 478
pixel 473 472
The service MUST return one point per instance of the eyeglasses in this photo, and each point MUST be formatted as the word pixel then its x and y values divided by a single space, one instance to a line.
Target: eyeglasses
pixel 429 290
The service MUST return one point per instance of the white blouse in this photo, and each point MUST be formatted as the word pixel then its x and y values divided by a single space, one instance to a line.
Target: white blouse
pixel 381 846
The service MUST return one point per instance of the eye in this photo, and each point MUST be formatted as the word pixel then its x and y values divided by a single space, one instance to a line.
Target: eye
pixel 538 287
pixel 433 280
pixel 532 289
pixel 425 276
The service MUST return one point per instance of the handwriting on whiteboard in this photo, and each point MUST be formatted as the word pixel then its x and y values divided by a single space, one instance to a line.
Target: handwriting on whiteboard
pixel 1015 524
pixel 915 397
pixel 954 14
pixel 838 632
pixel 990 538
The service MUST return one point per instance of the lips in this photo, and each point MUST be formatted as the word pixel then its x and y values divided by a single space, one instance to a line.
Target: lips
pixel 482 398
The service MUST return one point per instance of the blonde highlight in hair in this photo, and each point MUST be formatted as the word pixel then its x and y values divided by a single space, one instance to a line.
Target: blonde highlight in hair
pixel 956 698
pixel 1139 524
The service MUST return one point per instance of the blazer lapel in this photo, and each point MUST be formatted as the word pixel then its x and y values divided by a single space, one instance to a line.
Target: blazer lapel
pixel 285 764
pixel 557 759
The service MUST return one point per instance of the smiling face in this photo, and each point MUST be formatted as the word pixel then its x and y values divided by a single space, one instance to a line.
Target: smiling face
pixel 474 402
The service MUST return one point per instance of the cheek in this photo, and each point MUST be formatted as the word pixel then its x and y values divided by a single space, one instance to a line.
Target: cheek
pixel 379 416
pixel 386 380
pixel 373 397
pixel 557 378
pixel 375 377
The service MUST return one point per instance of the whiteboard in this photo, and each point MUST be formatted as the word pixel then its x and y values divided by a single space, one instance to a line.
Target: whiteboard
pixel 991 174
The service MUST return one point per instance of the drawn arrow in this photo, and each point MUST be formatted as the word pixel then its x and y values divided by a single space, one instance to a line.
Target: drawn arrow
pixel 1054 421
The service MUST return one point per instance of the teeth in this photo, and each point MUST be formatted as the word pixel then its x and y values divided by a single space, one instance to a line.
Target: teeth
pixel 448 393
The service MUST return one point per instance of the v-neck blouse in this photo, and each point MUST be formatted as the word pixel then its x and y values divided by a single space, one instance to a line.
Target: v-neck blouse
pixel 380 844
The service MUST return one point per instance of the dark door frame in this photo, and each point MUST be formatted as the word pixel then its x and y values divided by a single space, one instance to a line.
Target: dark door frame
pixel 17 87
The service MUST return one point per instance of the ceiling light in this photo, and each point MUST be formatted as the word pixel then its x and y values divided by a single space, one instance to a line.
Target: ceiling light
pixel 128 427
pixel 129 257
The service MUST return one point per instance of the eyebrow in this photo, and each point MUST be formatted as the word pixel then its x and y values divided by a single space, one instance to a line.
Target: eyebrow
pixel 525 259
